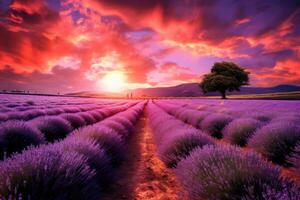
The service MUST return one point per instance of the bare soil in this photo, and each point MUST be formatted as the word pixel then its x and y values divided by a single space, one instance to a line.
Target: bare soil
pixel 143 175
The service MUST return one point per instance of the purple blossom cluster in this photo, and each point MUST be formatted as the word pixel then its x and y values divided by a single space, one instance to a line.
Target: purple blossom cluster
pixel 48 172
pixel 76 121
pixel 53 128
pixel 276 141
pixel 295 159
pixel 215 123
pixel 240 130
pixel 225 172
pixel 17 135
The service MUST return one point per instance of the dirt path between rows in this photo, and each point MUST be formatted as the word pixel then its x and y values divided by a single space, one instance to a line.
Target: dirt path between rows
pixel 143 176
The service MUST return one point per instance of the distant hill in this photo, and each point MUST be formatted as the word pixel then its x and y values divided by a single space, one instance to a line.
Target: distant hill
pixel 193 90
pixel 187 90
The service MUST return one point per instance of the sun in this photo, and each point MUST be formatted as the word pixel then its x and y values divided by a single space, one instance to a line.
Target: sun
pixel 114 81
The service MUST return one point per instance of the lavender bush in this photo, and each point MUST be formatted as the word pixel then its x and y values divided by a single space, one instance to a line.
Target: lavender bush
pixel 261 116
pixel 117 127
pixel 53 128
pixel 96 115
pixel 287 118
pixel 290 191
pixel 225 172
pixel 125 122
pixel 180 113
pixel 15 115
pixel 16 136
pixel 276 141
pixel 88 118
pixel 239 130
pixel 96 157
pixel 214 123
pixel 75 120
pixel 106 138
pixel 5 109
pixel 23 108
pixel 30 102
pixel 179 145
pixel 295 159
pixel 47 173
pixel 196 117
pixel 133 116
pixel 55 111
pixel 3 117
pixel 31 114
pixel 71 109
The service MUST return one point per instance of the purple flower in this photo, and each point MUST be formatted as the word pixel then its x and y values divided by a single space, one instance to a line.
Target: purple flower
pixel 75 120
pixel 53 128
pixel 117 127
pixel 125 121
pixel 106 138
pixel 295 159
pixel 88 118
pixel 180 143
pixel 71 109
pixel 226 172
pixel 96 115
pixel 3 117
pixel 95 154
pixel 16 136
pixel 276 141
pixel 55 111
pixel 214 124
pixel 31 114
pixel 238 131
pixel 47 173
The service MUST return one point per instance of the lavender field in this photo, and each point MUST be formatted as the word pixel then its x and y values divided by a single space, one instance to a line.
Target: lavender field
pixel 88 148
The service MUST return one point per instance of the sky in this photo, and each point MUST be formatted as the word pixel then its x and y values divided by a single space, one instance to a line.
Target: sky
pixel 112 45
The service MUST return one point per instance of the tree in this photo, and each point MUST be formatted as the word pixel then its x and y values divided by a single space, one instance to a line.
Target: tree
pixel 224 76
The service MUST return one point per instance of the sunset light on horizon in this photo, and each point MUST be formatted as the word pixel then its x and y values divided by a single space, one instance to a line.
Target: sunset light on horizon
pixel 65 46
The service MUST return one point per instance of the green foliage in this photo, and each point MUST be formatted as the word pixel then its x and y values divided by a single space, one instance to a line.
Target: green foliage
pixel 224 76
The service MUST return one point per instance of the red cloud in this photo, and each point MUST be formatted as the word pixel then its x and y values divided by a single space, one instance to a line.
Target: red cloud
pixel 285 72
pixel 27 42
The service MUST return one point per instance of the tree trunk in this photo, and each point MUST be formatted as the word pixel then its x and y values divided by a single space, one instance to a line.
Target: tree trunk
pixel 223 94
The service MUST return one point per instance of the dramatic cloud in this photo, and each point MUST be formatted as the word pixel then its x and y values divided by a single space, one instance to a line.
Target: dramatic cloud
pixel 152 42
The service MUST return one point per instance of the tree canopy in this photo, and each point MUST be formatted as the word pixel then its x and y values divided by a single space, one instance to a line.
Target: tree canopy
pixel 224 76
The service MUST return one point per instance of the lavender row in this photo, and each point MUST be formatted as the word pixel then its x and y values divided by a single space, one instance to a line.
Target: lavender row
pixel 79 167
pixel 174 139
pixel 17 135
pixel 275 139
pixel 210 171
pixel 14 101
pixel 113 132
pixel 21 105
pixel 31 113
pixel 241 108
